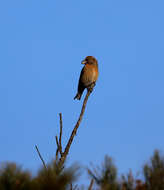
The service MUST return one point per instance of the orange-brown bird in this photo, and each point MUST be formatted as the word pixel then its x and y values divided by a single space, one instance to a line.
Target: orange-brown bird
pixel 88 75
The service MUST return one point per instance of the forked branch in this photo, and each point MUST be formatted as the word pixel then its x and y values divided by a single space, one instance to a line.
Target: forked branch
pixel 63 155
pixel 66 150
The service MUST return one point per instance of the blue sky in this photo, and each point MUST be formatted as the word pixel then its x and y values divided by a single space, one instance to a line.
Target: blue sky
pixel 42 45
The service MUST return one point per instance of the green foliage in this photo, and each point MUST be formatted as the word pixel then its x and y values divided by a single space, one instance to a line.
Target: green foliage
pixel 53 177
pixel 13 178
pixel 128 181
pixel 106 175
pixel 154 172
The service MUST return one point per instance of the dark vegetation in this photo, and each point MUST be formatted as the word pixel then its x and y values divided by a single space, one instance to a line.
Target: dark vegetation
pixel 56 176
pixel 104 177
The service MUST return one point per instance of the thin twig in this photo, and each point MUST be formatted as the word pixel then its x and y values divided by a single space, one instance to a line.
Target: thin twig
pixel 91 184
pixel 40 157
pixel 73 188
pixel 63 157
pixel 57 150
pixel 57 143
pixel 60 137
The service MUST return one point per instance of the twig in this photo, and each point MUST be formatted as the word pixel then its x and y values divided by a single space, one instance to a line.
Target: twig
pixel 60 137
pixel 41 157
pixel 91 184
pixel 57 150
pixel 59 142
pixel 73 188
pixel 56 138
pixel 64 155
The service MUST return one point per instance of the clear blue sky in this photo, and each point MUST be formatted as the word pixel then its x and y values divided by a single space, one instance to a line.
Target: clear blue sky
pixel 42 44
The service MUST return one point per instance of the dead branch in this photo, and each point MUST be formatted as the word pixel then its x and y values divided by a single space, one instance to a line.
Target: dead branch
pixel 40 156
pixel 59 142
pixel 73 188
pixel 66 151
pixel 91 184
pixel 60 137
pixel 63 155
pixel 57 150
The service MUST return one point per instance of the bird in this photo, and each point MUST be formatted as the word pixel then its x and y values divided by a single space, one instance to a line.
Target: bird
pixel 88 76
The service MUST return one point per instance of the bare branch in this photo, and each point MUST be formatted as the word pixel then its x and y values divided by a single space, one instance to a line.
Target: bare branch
pixel 91 184
pixel 60 137
pixel 73 188
pixel 41 157
pixel 57 150
pixel 64 154
pixel 57 143
pixel 66 151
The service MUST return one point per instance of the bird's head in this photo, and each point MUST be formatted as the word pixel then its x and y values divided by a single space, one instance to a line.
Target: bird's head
pixel 90 60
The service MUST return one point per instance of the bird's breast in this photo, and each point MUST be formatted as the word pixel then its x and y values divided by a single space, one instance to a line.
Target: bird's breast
pixel 90 74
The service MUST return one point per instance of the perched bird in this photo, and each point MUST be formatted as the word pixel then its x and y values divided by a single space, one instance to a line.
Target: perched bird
pixel 88 75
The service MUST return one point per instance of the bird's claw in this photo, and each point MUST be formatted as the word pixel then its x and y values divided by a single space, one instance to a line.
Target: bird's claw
pixel 91 86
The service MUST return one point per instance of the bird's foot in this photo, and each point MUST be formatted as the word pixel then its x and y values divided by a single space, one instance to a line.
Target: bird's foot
pixel 91 86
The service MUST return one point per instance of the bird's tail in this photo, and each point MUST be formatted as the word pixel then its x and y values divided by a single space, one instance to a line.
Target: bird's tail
pixel 78 96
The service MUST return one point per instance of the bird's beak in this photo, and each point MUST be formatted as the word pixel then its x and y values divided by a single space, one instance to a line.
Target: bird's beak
pixel 84 62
